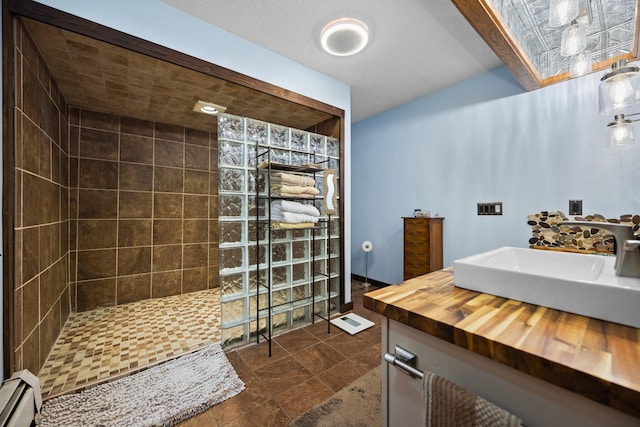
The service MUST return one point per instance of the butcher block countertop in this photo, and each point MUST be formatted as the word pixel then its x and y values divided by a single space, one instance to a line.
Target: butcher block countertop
pixel 597 359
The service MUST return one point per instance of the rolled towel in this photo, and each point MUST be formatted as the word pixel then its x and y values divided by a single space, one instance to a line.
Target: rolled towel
pixel 447 404
pixel 293 206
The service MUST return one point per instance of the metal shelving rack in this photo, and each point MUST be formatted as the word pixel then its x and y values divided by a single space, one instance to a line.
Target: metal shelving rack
pixel 323 224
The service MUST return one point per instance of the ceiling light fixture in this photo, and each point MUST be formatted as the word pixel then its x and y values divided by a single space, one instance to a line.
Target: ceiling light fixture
pixel 574 40
pixel 620 131
pixel 619 94
pixel 344 37
pixel 208 108
pixel 580 64
pixel 619 89
pixel 562 12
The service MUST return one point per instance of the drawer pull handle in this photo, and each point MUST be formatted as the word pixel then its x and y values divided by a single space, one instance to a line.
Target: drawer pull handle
pixel 405 361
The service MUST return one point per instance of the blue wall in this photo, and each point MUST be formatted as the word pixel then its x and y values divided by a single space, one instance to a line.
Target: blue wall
pixel 483 140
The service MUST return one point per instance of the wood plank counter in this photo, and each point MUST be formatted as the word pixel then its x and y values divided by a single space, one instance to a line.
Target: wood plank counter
pixel 597 359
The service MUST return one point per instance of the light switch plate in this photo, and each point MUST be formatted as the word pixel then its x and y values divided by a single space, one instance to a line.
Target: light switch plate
pixel 490 208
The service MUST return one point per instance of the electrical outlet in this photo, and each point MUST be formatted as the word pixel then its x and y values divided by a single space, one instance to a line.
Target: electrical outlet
pixel 491 208
pixel 575 207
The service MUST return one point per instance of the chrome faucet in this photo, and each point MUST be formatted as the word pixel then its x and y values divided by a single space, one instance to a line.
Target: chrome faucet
pixel 627 248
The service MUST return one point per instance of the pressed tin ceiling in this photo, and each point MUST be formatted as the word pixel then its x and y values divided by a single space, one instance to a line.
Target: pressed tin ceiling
pixel 610 32
pixel 105 78
pixel 519 33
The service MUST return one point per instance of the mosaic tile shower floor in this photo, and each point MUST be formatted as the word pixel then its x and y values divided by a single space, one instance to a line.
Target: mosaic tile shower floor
pixel 99 345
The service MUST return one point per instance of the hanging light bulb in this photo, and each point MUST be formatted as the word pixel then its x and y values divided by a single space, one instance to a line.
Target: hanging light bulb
pixel 620 131
pixel 562 12
pixel 580 64
pixel 619 90
pixel 573 40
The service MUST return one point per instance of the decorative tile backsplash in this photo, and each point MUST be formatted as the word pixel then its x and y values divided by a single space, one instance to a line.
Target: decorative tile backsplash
pixel 548 233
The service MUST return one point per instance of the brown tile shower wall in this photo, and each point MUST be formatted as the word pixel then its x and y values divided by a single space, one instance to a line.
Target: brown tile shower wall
pixel 144 208
pixel 41 291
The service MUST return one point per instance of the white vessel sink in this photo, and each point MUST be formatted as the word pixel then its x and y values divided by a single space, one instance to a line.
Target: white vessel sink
pixel 577 283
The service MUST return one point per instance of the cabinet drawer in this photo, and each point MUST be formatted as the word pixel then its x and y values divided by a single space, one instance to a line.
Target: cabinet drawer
pixel 416 251
pixel 416 233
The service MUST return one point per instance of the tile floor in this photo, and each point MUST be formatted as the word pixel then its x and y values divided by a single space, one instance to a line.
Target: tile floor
pixel 307 366
pixel 98 345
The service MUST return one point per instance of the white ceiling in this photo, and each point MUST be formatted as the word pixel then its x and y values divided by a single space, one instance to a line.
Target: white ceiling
pixel 415 47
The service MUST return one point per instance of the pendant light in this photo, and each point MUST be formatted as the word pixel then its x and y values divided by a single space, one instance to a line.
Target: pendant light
pixel 562 12
pixel 574 40
pixel 580 64
pixel 620 131
pixel 619 89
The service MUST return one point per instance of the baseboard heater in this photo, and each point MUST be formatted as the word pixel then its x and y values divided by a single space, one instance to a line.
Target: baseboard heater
pixel 20 399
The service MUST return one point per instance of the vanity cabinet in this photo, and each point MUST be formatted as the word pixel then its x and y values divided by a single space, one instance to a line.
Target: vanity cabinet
pixel 548 367
pixel 536 402
pixel 422 245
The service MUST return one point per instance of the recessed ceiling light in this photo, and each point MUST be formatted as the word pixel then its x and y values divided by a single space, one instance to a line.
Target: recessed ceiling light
pixel 208 108
pixel 344 37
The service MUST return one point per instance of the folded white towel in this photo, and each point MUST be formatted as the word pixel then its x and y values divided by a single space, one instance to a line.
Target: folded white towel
pixel 293 218
pixel 295 207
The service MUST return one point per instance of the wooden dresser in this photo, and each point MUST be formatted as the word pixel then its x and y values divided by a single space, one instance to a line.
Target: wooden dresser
pixel 422 245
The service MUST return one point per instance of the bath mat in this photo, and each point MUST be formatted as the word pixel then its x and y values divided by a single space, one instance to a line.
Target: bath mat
pixel 159 396
pixel 352 323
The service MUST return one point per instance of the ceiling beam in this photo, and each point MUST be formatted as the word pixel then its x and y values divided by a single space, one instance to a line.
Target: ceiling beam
pixel 489 25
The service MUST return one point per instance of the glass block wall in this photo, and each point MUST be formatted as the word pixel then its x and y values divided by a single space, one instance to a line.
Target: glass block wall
pixel 291 249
